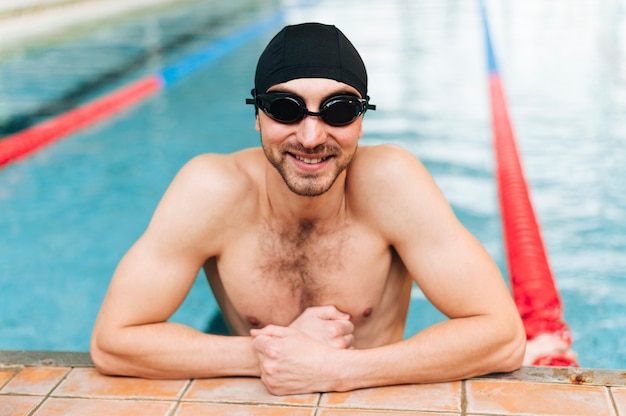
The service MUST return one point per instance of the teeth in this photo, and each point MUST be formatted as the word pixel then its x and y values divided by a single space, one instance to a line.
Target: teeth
pixel 307 160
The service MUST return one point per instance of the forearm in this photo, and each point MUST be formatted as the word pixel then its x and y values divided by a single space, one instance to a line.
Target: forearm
pixel 170 351
pixel 452 350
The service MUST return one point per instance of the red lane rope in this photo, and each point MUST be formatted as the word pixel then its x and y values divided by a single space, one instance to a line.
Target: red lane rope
pixel 23 143
pixel 27 141
pixel 533 286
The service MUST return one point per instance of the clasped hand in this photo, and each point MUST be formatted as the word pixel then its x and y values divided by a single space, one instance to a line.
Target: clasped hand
pixel 295 359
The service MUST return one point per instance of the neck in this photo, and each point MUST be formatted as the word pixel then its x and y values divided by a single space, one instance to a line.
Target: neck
pixel 288 207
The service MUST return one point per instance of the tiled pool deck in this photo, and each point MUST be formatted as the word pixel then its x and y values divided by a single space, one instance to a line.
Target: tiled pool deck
pixel 40 384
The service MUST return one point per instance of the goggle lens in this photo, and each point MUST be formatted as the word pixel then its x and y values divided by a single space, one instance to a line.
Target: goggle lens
pixel 283 109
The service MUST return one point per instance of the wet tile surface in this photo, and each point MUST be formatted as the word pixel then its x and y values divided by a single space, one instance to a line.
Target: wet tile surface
pixel 228 409
pixel 433 397
pixel 5 376
pixel 100 407
pixel 18 405
pixel 35 380
pixel 361 412
pixel 242 389
pixel 529 398
pixel 532 391
pixel 87 382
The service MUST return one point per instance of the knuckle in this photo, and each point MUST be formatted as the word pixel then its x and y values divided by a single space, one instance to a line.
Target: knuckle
pixel 268 369
pixel 338 329
pixel 271 352
pixel 274 389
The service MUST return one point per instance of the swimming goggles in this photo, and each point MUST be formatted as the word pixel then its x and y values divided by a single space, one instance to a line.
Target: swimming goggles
pixel 287 108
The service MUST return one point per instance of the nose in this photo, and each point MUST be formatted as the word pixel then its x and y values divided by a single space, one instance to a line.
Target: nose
pixel 311 131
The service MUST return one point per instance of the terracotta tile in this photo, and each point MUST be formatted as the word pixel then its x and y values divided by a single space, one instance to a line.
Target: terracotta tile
pixel 18 405
pixel 359 412
pixel 35 380
pixel 425 397
pixel 87 382
pixel 98 407
pixel 5 375
pixel 619 395
pixel 514 398
pixel 242 390
pixel 223 409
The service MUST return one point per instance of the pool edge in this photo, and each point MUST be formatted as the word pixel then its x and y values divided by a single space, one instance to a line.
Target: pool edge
pixel 24 358
pixel 542 374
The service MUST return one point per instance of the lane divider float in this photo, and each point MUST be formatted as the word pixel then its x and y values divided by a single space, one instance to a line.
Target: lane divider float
pixel 532 283
pixel 27 141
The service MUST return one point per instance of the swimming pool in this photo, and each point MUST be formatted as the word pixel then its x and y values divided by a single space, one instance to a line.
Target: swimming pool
pixel 70 211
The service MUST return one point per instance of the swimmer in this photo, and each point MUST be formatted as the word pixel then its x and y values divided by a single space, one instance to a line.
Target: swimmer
pixel 311 245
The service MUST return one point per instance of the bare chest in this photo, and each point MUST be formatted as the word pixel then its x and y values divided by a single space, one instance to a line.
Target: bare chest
pixel 270 277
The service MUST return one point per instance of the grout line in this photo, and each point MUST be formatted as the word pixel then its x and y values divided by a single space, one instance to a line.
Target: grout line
pixel 174 409
pixel 251 403
pixel 613 403
pixel 15 373
pixel 67 374
pixel 47 395
pixel 185 389
pixel 318 401
pixel 463 397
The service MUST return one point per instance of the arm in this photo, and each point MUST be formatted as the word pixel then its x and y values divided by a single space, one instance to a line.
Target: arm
pixel 484 333
pixel 131 335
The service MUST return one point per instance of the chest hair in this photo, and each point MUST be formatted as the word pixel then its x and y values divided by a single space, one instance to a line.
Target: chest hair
pixel 301 259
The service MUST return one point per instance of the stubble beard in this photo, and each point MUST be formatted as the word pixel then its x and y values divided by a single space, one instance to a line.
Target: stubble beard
pixel 303 183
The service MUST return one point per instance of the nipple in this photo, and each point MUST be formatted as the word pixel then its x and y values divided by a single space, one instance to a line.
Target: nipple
pixel 253 321
pixel 367 312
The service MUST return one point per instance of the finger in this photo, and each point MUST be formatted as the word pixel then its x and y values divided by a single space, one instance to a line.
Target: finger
pixel 349 341
pixel 265 349
pixel 345 342
pixel 271 330
pixel 348 327
pixel 329 312
pixel 341 328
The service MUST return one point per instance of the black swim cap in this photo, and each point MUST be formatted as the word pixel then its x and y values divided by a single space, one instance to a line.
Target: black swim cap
pixel 310 50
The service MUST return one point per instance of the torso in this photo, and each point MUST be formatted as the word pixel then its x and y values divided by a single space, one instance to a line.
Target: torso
pixel 269 272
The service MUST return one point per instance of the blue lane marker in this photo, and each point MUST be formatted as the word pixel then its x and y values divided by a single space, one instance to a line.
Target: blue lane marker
pixel 218 49
pixel 491 56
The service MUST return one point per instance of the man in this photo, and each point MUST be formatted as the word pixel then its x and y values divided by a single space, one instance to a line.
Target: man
pixel 311 245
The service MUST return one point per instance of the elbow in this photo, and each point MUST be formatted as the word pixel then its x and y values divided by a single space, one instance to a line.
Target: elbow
pixel 104 361
pixel 512 350
pixel 515 357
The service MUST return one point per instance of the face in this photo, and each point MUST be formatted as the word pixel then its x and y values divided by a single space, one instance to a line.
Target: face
pixel 309 155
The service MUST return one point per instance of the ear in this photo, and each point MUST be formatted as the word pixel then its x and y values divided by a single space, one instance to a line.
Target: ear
pixel 257 125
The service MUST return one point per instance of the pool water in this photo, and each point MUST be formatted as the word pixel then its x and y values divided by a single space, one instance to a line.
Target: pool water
pixel 69 212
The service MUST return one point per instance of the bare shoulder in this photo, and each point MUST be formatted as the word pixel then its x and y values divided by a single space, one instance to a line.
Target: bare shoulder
pixel 207 193
pixel 222 178
pixel 388 169
pixel 220 172
pixel 387 161
pixel 393 188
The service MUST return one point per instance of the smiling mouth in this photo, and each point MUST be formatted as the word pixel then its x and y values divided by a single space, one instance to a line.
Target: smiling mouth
pixel 310 161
